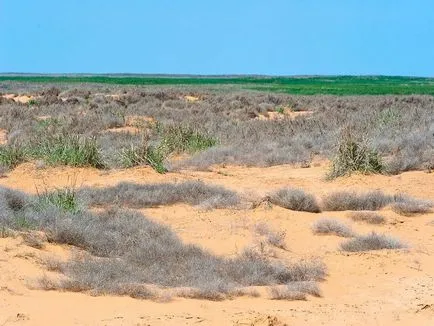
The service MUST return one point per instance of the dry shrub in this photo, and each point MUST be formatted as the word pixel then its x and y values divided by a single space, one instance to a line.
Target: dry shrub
pixel 350 200
pixel 272 237
pixel 407 206
pixel 367 217
pixel 332 226
pixel 372 241
pixel 295 199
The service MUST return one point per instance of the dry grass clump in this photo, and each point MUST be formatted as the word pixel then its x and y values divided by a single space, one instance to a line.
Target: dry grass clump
pixel 349 200
pixel 372 241
pixel 295 291
pixel 150 195
pixel 332 226
pixel 272 237
pixel 374 200
pixel 124 253
pixel 408 206
pixel 367 217
pixel 295 199
pixel 33 239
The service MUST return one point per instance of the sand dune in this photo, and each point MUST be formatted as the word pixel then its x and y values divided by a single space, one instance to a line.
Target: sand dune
pixel 388 287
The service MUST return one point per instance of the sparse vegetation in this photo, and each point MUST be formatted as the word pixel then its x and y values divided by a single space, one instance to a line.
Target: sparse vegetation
pixel 372 241
pixel 117 239
pixel 332 226
pixel 295 199
pixel 367 217
pixel 125 252
pixel 221 128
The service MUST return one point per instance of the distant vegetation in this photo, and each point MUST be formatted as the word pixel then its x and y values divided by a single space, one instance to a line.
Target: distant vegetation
pixel 186 128
pixel 333 85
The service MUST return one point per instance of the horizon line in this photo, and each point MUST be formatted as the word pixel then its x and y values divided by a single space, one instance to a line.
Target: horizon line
pixel 85 74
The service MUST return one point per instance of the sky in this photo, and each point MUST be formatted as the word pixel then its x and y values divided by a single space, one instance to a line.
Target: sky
pixel 271 37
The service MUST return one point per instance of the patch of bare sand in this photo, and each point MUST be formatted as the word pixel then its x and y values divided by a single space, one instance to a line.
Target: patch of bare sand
pixel 127 130
pixel 384 287
pixel 138 120
pixel 190 98
pixel 24 99
pixel 287 113
pixel 43 117
pixel 9 96
pixel 3 136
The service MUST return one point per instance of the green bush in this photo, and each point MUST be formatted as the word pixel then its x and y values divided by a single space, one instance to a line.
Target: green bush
pixel 181 139
pixel 280 110
pixel 353 156
pixel 70 150
pixel 141 155
pixel 173 139
pixel 64 198
pixel 12 155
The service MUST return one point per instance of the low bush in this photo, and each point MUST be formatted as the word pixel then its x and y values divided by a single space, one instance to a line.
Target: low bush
pixel 408 206
pixel 349 200
pixel 69 149
pixel 295 199
pixel 332 226
pixel 372 241
pixel 367 217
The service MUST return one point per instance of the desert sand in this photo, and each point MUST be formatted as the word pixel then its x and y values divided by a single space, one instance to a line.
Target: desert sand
pixel 387 287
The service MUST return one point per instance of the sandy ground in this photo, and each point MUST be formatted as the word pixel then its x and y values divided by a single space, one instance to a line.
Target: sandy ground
pixel 372 288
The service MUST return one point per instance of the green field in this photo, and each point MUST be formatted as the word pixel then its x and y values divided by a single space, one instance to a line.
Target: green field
pixel 333 85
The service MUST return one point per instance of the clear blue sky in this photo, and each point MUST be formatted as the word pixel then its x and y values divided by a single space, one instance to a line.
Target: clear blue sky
pixel 280 37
